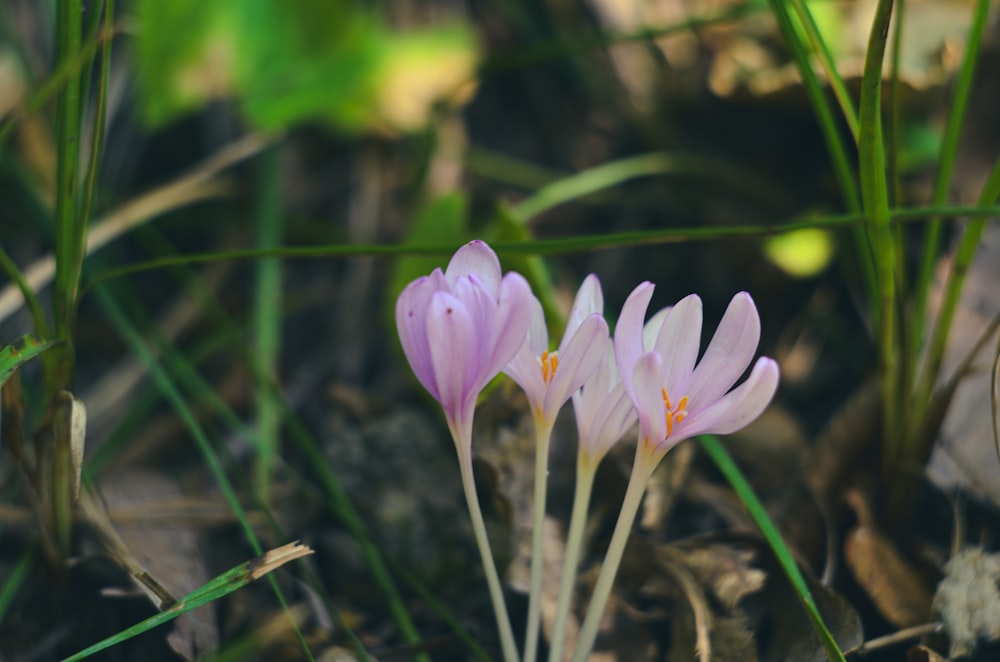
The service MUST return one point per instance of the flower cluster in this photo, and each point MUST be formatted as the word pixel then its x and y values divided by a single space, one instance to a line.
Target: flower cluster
pixel 462 327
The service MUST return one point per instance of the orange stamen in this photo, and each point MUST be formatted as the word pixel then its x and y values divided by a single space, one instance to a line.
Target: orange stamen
pixel 549 362
pixel 674 415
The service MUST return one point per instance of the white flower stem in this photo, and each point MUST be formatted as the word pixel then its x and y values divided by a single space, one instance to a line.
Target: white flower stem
pixel 641 470
pixel 586 468
pixel 543 435
pixel 489 566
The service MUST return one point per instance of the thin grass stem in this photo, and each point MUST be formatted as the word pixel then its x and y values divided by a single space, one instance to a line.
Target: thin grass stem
pixel 946 162
pixel 267 318
pixel 739 483
pixel 874 188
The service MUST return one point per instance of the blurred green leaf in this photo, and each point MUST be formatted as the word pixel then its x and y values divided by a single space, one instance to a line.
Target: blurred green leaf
pixel 289 62
pixel 15 355
pixel 440 221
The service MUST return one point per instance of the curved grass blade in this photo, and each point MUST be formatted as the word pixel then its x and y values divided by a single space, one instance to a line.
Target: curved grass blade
pixel 611 174
pixel 15 581
pixel 170 391
pixel 229 581
pixel 578 244
pixel 946 159
pixel 720 456
pixel 19 352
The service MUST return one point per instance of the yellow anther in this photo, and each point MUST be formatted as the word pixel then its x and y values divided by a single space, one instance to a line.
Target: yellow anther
pixel 674 415
pixel 549 362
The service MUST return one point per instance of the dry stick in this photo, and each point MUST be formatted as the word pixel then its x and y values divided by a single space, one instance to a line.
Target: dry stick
pixel 198 184
pixel 906 634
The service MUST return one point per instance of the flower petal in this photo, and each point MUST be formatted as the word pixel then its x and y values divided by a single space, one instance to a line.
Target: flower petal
pixel 411 324
pixel 729 353
pixel 479 259
pixel 454 353
pixel 647 380
pixel 613 418
pixel 577 362
pixel 651 330
pixel 678 342
pixel 628 333
pixel 508 330
pixel 588 399
pixel 589 300
pixel 739 407
pixel 524 368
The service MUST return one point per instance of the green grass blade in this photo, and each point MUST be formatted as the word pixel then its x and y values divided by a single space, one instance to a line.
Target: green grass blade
pixel 170 391
pixel 15 580
pixel 97 132
pixel 943 176
pixel 577 244
pixel 18 353
pixel 720 456
pixel 607 175
pixel 833 77
pixel 69 231
pixel 838 150
pixel 965 251
pixel 267 318
pixel 875 197
pixel 221 586
pixel 27 293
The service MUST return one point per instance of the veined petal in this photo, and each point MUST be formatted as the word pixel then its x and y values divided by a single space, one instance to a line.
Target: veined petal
pixel 411 324
pixel 612 419
pixel 454 354
pixel 730 351
pixel 651 330
pixel 479 259
pixel 678 342
pixel 524 368
pixel 647 378
pixel 577 362
pixel 739 407
pixel 589 300
pixel 588 399
pixel 510 327
pixel 628 333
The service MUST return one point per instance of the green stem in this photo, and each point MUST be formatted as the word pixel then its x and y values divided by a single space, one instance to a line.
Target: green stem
pixel 462 434
pixel 946 159
pixel 973 231
pixel 586 469
pixel 874 190
pixel 267 319
pixel 964 253
pixel 69 233
pixel 725 464
pixel 642 468
pixel 543 437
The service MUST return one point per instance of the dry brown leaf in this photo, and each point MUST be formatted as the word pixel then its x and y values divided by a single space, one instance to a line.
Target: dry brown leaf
pixel 965 455
pixel 167 551
pixel 893 584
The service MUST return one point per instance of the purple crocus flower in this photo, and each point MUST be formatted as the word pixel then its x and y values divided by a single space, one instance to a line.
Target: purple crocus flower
pixel 460 327
pixel 677 396
pixel 550 378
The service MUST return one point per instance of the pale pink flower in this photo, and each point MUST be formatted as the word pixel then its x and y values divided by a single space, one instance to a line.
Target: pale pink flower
pixel 460 327
pixel 677 396
pixel 549 378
